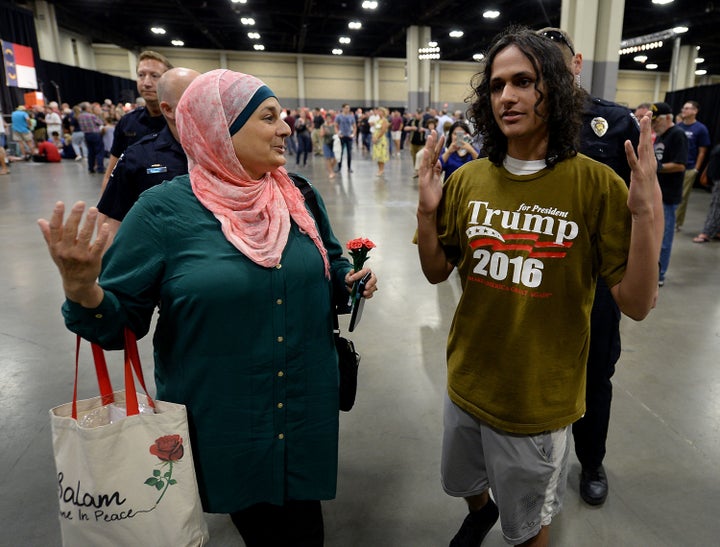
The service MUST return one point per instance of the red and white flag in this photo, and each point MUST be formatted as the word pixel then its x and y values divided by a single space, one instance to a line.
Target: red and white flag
pixel 19 65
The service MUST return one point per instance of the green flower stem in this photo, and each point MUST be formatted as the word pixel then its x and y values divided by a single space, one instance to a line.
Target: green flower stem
pixel 167 485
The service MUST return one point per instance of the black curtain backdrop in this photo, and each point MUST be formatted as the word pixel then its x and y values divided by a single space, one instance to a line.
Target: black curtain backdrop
pixel 79 84
pixel 709 98
pixel 73 83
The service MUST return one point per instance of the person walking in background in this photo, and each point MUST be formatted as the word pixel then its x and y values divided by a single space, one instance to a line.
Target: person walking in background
pixel 53 120
pixel 91 127
pixel 711 177
pixel 346 128
pixel 380 152
pixel 211 250
pixel 317 120
pixel 21 133
pixel 671 151
pixel 304 140
pixel 328 135
pixel 396 125
pixel 508 413
pixel 77 136
pixel 363 126
pixel 698 139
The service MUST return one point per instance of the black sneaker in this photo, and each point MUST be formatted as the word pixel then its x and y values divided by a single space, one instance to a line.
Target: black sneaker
pixel 476 526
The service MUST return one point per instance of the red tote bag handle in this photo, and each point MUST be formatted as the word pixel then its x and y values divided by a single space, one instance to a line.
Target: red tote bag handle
pixel 132 364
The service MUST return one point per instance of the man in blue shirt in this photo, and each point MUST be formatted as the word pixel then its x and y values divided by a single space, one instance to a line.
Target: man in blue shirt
pixel 346 127
pixel 698 144
pixel 21 131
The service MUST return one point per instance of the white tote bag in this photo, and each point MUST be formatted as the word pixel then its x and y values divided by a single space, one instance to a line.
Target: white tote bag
pixel 337 147
pixel 125 481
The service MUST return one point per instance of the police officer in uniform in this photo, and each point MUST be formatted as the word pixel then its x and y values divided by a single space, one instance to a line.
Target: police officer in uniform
pixel 153 159
pixel 142 121
pixel 606 127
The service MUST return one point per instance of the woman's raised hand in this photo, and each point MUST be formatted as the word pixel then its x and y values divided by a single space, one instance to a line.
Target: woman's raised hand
pixel 78 258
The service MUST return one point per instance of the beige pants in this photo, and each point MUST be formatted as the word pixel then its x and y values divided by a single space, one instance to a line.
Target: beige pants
pixel 688 182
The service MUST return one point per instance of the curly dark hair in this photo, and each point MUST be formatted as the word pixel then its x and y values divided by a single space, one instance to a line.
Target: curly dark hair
pixel 563 99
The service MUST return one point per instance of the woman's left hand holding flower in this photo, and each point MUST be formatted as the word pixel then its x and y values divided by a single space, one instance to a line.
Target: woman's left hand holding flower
pixel 370 287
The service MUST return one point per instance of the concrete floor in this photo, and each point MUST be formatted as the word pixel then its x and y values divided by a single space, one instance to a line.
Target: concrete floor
pixel 664 445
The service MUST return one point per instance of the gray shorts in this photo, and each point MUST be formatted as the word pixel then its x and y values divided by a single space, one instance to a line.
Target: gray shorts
pixel 526 473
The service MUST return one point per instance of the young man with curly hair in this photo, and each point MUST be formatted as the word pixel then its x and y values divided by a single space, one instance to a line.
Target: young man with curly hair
pixel 530 229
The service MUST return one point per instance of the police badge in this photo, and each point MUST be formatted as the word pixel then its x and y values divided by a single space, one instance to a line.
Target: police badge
pixel 599 126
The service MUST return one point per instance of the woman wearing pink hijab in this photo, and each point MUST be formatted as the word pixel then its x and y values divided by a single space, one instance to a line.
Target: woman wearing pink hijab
pixel 245 280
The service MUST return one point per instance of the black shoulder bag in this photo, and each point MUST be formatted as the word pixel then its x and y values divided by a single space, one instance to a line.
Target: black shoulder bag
pixel 348 358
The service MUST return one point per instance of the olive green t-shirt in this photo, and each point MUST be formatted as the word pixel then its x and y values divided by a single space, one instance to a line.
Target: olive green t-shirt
pixel 529 250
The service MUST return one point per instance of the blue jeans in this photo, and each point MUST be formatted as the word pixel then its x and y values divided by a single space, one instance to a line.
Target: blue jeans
pixel 95 152
pixel 668 236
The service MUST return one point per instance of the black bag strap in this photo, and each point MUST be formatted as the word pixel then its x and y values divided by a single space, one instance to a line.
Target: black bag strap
pixel 311 199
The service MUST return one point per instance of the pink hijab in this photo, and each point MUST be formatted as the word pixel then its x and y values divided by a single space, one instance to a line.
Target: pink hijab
pixel 254 214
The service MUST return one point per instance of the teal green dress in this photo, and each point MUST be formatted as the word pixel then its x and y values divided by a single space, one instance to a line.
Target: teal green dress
pixel 249 350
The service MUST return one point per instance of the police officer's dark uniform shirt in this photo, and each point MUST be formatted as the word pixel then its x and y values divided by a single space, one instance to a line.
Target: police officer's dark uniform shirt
pixel 132 127
pixel 606 126
pixel 147 163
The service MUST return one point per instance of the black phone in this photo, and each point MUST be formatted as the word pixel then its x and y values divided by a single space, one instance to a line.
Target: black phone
pixel 358 302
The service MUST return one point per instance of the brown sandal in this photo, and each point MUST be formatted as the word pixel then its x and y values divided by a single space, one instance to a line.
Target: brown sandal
pixel 701 238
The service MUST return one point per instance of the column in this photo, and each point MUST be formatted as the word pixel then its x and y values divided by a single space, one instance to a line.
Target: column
pixel 47 32
pixel 418 71
pixel 596 29
pixel 686 67
pixel 300 65
pixel 375 82
pixel 368 96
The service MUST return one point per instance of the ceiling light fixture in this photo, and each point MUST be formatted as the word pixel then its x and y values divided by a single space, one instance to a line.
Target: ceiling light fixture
pixel 254 35
pixel 344 40
pixel 259 47
pixel 432 43
pixel 177 43
pixel 157 30
pixel 478 57
pixel 432 52
pixel 662 2
pixel 699 60
pixel 491 14
pixel 247 21
pixel 337 51
pixel 701 72
pixel 456 34
pixel 239 1
pixel 640 58
pixel 369 5
pixel 651 66
pixel 626 46
pixel 355 25
pixel 641 47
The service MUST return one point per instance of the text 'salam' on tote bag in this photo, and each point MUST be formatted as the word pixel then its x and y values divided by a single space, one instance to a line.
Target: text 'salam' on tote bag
pixel 125 481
